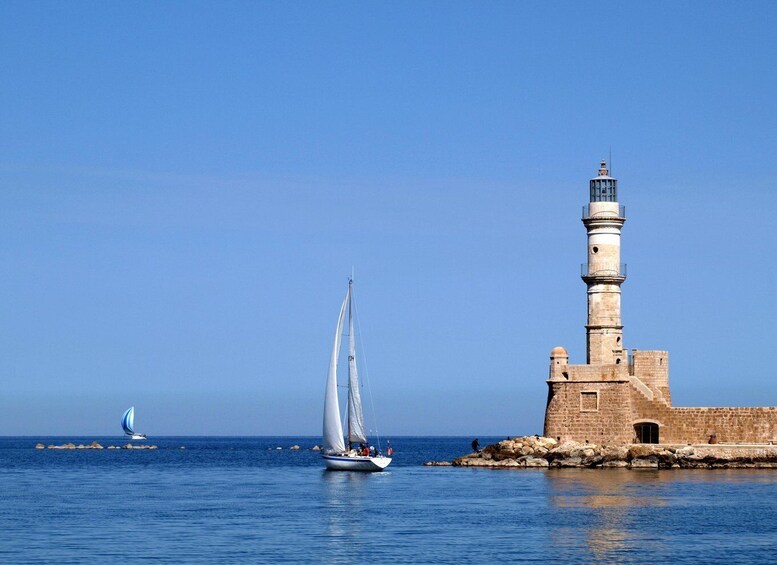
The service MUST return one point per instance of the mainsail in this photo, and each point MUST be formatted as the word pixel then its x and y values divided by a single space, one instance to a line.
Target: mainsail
pixel 128 421
pixel 355 416
pixel 333 429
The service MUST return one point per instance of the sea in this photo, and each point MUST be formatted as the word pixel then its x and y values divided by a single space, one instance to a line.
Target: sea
pixel 254 500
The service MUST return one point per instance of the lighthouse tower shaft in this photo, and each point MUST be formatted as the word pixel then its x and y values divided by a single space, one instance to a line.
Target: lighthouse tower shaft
pixel 603 274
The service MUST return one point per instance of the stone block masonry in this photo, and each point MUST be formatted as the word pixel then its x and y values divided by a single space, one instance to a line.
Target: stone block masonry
pixel 729 425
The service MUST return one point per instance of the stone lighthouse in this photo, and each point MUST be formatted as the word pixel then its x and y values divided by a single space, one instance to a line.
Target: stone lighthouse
pixel 620 397
pixel 603 218
pixel 593 402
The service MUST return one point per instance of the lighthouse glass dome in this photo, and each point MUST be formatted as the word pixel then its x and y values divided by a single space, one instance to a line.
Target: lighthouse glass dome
pixel 604 189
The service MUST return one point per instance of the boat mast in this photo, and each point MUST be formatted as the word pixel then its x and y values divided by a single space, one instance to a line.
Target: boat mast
pixel 350 325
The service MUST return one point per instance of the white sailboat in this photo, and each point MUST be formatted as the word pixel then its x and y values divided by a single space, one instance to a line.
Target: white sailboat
pixel 128 424
pixel 336 455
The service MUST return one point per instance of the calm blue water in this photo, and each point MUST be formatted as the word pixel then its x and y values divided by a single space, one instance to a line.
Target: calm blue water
pixel 239 500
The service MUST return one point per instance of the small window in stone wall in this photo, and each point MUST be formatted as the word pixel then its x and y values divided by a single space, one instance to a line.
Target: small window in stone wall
pixel 589 401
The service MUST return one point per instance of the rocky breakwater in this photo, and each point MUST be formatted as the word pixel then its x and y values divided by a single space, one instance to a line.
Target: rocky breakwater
pixel 528 451
pixel 93 445
pixel 543 452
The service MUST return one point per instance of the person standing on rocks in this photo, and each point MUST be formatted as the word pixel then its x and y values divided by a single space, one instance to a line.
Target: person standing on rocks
pixel 476 445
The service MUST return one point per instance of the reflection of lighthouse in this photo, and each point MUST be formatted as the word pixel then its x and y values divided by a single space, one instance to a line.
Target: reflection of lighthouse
pixel 604 274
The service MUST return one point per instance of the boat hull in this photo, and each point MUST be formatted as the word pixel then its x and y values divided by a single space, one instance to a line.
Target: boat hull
pixel 358 463
pixel 136 436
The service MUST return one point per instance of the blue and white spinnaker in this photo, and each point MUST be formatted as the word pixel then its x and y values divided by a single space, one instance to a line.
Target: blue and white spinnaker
pixel 128 424
pixel 128 421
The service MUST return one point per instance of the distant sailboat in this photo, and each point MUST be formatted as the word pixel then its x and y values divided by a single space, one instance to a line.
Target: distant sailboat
pixel 334 452
pixel 128 424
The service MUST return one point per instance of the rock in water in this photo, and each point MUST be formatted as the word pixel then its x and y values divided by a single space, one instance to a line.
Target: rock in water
pixel 538 462
pixel 64 446
pixel 315 448
pixel 294 447
pixel 40 446
pixel 645 463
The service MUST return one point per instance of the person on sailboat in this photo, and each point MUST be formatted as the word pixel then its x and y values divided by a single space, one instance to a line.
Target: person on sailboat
pixel 389 449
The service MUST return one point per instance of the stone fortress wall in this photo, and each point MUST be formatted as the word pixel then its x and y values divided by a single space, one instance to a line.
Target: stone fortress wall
pixel 621 397
pixel 602 404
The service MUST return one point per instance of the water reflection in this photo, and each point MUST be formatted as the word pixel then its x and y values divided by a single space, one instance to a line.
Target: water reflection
pixel 605 508
pixel 347 502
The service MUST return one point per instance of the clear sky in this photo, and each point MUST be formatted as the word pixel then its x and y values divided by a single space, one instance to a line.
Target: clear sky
pixel 185 187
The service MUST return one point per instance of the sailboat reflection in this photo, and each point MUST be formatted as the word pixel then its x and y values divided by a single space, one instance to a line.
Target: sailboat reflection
pixel 346 497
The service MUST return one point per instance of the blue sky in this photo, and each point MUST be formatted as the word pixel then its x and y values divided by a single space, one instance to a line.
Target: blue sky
pixel 184 188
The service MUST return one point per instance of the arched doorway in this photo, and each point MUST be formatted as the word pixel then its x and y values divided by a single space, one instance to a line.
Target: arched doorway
pixel 646 432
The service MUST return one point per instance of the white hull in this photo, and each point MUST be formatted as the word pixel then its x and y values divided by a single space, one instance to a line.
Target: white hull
pixel 137 436
pixel 355 463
